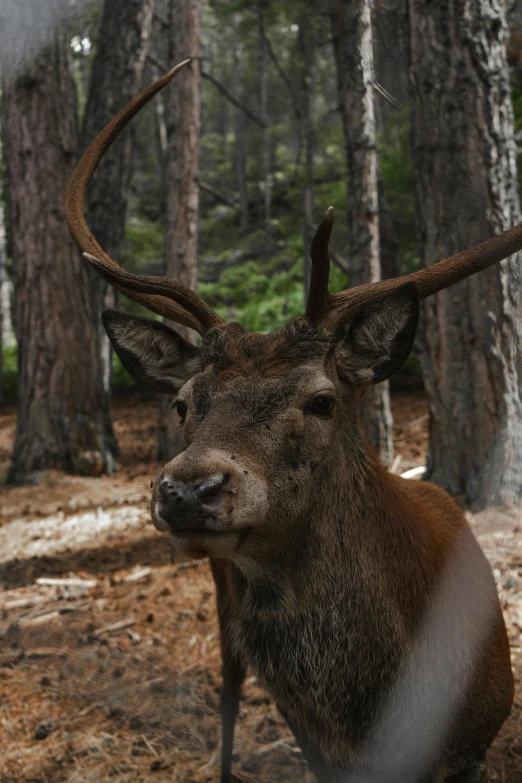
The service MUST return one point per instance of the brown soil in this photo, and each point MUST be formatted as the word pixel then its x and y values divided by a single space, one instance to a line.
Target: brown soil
pixel 114 675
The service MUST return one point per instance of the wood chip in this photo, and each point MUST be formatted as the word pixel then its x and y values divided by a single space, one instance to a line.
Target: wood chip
pixel 138 575
pixel 43 652
pixel 24 603
pixel 29 622
pixel 119 626
pixel 69 581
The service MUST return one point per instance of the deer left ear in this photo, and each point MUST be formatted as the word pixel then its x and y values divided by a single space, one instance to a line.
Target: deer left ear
pixel 156 356
pixel 380 338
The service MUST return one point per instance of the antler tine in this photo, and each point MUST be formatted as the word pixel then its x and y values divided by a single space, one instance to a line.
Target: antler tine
pixel 344 306
pixel 319 298
pixel 180 304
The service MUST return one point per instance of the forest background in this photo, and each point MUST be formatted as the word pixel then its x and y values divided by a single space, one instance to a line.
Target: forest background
pixel 404 116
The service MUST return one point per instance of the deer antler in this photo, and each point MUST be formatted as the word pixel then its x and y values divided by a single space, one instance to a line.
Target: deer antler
pixel 331 311
pixel 168 298
pixel 318 294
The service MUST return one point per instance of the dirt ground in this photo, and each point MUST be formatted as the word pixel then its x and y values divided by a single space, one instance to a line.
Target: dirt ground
pixel 109 650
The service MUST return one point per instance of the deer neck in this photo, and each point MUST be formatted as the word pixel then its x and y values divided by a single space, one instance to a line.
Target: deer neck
pixel 340 524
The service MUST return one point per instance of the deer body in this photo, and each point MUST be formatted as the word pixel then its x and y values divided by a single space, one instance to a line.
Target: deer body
pixel 361 601
pixel 327 632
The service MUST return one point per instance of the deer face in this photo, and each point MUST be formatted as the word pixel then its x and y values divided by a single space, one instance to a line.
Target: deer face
pixel 263 414
pixel 263 417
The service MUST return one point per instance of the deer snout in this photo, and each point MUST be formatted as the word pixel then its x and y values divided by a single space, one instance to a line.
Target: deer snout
pixel 190 505
pixel 209 501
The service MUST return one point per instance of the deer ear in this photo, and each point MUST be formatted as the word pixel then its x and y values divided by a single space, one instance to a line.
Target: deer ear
pixel 156 356
pixel 380 337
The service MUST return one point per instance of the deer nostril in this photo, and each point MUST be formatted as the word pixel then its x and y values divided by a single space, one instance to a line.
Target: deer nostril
pixel 168 489
pixel 211 487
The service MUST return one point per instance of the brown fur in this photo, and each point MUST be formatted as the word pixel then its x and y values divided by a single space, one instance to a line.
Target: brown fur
pixel 362 601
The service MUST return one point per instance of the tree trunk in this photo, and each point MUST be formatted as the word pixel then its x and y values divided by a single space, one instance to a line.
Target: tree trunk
pixel 306 56
pixel 390 56
pixel 391 265
pixel 352 39
pixel 62 419
pixel 3 278
pixel 465 167
pixel 122 45
pixel 267 173
pixel 240 131
pixel 181 236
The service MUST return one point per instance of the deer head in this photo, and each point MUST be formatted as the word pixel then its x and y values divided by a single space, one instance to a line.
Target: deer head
pixel 268 419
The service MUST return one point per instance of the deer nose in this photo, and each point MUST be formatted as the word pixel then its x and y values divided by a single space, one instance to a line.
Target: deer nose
pixel 190 505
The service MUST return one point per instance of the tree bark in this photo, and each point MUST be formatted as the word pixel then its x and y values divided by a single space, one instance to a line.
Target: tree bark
pixel 306 46
pixel 466 187
pixel 183 122
pixel 62 417
pixel 4 295
pixel 352 39
pixel 391 264
pixel 267 169
pixel 390 55
pixel 240 135
pixel 122 45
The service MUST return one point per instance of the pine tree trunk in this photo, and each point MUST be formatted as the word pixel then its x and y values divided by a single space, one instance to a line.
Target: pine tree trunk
pixel 62 419
pixel 306 57
pixel 3 277
pixel 122 45
pixel 391 264
pixel 465 167
pixel 390 57
pixel 267 173
pixel 352 38
pixel 240 131
pixel 181 236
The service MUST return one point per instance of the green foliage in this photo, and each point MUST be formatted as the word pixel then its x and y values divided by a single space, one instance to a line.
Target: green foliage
pixel 143 245
pixel 10 373
pixel 264 295
pixel 121 379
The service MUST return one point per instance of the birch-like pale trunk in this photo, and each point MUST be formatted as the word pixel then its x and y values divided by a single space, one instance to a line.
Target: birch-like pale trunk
pixel 352 38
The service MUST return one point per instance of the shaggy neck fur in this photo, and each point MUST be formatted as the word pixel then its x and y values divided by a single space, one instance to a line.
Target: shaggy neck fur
pixel 316 618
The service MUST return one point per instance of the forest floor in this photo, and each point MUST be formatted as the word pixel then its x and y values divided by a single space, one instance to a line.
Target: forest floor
pixel 109 650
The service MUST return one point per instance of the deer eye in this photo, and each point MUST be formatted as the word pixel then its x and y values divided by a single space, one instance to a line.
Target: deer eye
pixel 181 409
pixel 321 406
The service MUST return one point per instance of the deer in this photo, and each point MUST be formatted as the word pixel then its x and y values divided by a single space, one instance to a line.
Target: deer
pixel 360 600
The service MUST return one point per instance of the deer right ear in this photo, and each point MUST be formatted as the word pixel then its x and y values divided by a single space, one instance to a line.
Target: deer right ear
pixel 156 356
pixel 380 337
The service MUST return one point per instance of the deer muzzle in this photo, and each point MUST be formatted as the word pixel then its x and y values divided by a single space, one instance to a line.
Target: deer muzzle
pixel 205 500
pixel 192 505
